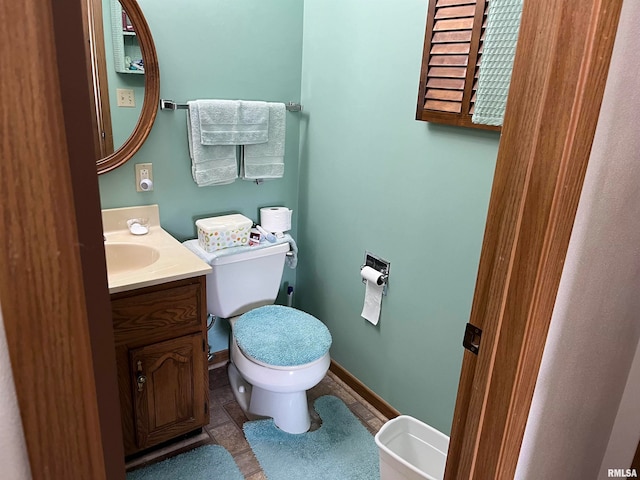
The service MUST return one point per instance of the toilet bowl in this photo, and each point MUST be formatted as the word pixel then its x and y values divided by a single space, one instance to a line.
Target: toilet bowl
pixel 277 353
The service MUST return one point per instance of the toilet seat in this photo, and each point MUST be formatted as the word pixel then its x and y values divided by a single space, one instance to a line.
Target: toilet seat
pixel 281 337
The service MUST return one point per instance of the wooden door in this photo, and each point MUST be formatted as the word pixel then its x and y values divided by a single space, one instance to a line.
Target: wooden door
pixel 167 380
pixel 560 70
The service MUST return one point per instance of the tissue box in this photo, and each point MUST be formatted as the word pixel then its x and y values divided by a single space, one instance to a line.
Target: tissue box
pixel 216 233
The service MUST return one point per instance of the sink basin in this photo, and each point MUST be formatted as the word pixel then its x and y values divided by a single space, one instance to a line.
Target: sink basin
pixel 129 257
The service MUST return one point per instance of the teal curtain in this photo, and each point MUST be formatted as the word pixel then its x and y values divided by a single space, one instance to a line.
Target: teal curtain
pixel 501 36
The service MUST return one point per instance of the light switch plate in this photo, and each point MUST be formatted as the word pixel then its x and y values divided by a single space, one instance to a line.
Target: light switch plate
pixel 126 97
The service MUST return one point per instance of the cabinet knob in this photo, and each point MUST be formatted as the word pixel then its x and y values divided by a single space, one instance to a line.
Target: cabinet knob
pixel 142 379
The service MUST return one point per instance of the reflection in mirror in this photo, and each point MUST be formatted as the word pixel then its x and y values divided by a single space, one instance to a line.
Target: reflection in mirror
pixel 123 67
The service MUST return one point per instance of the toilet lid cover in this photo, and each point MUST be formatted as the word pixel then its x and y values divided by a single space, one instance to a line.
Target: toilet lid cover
pixel 281 336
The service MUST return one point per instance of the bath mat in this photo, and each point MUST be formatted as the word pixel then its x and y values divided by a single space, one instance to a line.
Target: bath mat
pixel 341 449
pixel 203 463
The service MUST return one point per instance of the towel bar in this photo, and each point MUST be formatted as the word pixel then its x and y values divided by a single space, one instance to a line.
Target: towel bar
pixel 171 105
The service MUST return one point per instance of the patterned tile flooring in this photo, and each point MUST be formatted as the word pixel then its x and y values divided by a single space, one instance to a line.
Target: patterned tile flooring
pixel 225 427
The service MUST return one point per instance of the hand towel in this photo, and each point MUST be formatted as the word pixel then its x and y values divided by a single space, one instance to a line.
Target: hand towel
pixel 210 164
pixel 233 122
pixel 266 160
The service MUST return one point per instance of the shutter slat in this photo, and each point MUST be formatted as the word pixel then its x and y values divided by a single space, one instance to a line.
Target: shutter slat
pixel 450 48
pixel 455 24
pixel 446 83
pixel 451 95
pixel 447 72
pixel 447 3
pixel 458 60
pixel 456 12
pixel 452 37
pixel 440 106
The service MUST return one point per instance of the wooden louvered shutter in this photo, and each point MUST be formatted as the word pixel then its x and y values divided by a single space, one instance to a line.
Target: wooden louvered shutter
pixel 451 61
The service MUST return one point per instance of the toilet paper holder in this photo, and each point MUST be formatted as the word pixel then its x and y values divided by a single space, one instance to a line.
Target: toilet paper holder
pixel 379 264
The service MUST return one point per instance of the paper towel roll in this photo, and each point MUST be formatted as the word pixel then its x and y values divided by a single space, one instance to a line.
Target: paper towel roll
pixel 275 219
pixel 372 294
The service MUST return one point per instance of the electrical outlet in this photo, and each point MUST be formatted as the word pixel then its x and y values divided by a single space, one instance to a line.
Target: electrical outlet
pixel 126 97
pixel 144 171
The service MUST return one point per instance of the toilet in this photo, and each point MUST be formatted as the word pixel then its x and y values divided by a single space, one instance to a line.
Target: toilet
pixel 277 353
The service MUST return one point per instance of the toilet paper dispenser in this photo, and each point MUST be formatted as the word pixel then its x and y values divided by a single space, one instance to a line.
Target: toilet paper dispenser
pixel 380 265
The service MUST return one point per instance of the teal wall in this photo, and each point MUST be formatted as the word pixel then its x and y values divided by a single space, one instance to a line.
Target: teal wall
pixel 373 178
pixel 250 50
pixel 368 176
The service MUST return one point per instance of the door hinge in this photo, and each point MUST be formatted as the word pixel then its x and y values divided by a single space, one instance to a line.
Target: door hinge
pixel 471 340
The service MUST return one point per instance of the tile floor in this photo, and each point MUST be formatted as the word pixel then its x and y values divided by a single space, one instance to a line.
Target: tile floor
pixel 225 427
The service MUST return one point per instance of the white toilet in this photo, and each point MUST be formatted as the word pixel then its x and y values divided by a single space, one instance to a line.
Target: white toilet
pixel 277 353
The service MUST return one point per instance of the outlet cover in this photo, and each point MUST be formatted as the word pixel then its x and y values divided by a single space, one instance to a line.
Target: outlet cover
pixel 143 171
pixel 126 97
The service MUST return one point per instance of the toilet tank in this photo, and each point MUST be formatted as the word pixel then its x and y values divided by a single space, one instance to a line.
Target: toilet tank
pixel 246 280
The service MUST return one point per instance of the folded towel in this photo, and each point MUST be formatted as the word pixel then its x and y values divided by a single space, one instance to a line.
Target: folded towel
pixel 233 122
pixel 291 261
pixel 210 164
pixel 266 160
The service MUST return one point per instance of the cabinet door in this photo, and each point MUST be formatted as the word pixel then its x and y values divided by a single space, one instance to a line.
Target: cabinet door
pixel 169 396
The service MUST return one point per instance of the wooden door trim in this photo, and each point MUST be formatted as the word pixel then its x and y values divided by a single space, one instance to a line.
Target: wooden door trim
pixel 551 116
pixel 52 270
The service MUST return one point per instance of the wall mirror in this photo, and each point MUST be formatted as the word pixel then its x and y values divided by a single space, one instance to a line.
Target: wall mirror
pixel 121 57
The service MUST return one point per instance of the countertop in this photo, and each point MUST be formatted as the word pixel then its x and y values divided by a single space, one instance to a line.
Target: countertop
pixel 175 262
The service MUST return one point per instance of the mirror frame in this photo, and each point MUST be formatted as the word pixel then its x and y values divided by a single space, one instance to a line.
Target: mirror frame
pixel 151 92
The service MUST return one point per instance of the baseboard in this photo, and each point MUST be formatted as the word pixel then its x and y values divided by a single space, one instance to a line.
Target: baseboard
pixel 221 356
pixel 361 389
pixel 343 374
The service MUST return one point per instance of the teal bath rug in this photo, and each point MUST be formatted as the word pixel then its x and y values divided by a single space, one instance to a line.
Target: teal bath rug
pixel 341 449
pixel 203 463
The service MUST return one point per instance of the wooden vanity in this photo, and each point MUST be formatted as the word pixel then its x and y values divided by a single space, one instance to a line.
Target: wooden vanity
pixel 161 354
pixel 159 312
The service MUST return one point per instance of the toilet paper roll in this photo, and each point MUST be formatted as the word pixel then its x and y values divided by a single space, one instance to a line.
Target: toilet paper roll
pixel 275 219
pixel 372 294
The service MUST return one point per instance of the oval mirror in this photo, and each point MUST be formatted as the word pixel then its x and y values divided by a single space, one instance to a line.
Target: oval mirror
pixel 133 54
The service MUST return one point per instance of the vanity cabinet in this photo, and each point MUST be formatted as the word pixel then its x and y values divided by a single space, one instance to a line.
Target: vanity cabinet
pixel 161 353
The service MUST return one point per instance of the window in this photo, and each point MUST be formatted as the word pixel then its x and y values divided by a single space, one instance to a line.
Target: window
pixel 451 61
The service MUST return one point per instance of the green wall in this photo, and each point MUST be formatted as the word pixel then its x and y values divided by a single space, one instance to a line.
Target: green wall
pixel 368 176
pixel 249 50
pixel 374 179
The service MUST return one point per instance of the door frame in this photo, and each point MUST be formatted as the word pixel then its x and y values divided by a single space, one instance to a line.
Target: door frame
pixel 560 70
pixel 533 202
pixel 53 281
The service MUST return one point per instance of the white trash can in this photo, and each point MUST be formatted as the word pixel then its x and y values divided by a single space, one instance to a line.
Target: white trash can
pixel 411 450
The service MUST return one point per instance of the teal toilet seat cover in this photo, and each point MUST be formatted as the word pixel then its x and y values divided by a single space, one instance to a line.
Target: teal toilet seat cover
pixel 281 336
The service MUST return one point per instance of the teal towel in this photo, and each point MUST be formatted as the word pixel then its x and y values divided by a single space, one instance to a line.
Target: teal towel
pixel 501 37
pixel 233 122
pixel 210 164
pixel 266 160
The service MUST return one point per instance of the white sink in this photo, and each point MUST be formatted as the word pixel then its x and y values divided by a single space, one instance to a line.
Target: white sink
pixel 129 257
pixel 136 261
